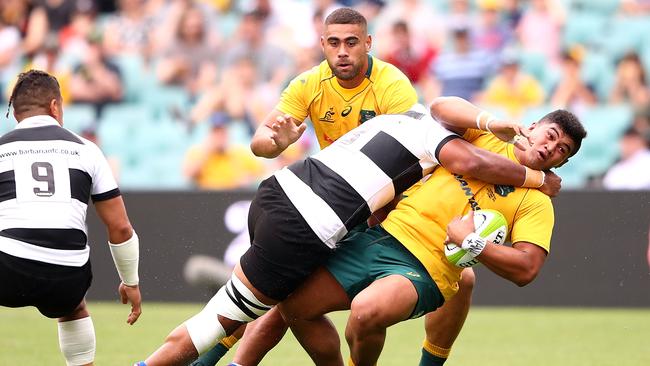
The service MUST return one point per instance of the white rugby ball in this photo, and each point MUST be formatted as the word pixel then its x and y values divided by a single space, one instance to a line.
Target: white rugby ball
pixel 489 225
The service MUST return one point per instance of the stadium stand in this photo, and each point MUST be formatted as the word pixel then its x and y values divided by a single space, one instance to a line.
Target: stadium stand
pixel 149 132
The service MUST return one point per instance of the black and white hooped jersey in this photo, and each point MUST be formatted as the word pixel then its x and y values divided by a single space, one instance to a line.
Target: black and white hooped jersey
pixel 47 176
pixel 340 186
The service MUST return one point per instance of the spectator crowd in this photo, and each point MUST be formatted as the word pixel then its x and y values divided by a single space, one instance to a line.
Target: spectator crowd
pixel 172 90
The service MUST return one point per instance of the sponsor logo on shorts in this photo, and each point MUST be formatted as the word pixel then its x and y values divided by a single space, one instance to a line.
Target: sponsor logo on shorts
pixel 417 315
pixel 413 274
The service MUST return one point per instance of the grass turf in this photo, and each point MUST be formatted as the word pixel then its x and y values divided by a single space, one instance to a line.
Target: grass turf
pixel 491 336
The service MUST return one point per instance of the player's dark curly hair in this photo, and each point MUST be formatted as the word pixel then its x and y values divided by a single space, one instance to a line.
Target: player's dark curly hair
pixel 346 16
pixel 34 91
pixel 570 125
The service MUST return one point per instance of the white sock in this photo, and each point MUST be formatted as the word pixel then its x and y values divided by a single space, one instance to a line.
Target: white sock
pixel 77 341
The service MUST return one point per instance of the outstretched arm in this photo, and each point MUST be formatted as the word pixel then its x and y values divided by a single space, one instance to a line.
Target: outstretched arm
pixel 520 263
pixel 275 134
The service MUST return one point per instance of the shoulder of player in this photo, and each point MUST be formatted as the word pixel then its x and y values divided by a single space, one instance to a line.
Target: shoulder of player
pixel 313 75
pixel 386 73
pixel 535 198
pixel 84 141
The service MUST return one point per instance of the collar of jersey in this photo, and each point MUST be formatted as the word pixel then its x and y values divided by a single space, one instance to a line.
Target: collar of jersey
pixel 37 121
pixel 510 148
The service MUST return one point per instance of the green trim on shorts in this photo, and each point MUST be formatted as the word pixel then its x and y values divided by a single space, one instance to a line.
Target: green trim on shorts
pixel 366 256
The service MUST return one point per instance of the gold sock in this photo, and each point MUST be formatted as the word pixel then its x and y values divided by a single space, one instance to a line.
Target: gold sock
pixel 436 350
pixel 230 341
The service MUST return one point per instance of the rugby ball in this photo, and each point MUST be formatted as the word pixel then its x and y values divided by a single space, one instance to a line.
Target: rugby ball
pixel 489 225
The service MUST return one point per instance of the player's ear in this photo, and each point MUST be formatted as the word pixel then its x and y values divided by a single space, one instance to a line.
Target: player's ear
pixel 368 43
pixel 56 110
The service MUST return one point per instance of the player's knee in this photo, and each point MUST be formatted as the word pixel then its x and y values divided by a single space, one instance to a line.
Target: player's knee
pixel 467 281
pixel 77 341
pixel 233 301
pixel 364 316
pixel 290 314
pixel 273 323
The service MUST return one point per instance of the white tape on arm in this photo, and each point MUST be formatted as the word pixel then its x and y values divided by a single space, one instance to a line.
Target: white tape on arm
pixel 126 257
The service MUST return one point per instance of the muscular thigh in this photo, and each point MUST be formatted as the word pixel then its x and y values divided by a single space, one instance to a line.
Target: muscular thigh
pixel 319 295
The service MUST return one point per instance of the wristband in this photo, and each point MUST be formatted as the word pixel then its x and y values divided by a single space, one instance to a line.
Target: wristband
pixel 126 257
pixel 487 124
pixel 534 178
pixel 473 244
pixel 482 125
pixel 478 119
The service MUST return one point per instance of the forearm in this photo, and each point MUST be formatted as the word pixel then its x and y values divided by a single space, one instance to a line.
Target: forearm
pixel 519 266
pixel 460 157
pixel 496 169
pixel 263 145
pixel 456 113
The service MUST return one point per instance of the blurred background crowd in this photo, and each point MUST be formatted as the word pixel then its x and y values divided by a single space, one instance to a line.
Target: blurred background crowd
pixel 172 90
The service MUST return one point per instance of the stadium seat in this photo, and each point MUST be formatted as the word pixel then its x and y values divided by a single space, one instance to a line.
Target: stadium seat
pixel 605 125
pixel 583 29
pixel 598 71
pixel 77 117
pixel 571 174
pixel 599 7
pixel 608 121
pixel 536 113
pixel 535 64
pixel 622 36
pixel 166 100
pixel 136 79
pixel 6 124
pixel 117 129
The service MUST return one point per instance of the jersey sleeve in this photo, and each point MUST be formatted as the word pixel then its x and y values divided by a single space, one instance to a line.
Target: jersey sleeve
pixel 293 100
pixel 399 97
pixel 472 134
pixel 534 220
pixel 104 186
pixel 438 137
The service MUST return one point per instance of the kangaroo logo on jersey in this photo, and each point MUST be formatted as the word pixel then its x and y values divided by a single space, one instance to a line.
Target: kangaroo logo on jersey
pixel 503 191
pixel 346 111
pixel 366 115
pixel 328 116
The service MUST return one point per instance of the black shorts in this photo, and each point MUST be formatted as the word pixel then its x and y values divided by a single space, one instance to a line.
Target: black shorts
pixel 54 290
pixel 284 250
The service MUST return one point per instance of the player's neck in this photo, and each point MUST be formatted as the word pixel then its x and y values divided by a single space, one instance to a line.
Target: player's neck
pixel 520 155
pixel 352 83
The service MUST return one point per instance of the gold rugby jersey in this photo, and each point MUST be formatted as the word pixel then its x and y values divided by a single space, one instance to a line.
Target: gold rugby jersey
pixel 335 110
pixel 420 220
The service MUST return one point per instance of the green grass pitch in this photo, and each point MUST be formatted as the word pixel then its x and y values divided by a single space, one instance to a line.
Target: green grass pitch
pixel 491 336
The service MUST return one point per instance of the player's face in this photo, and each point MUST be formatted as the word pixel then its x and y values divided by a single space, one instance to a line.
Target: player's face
pixel 550 146
pixel 346 48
